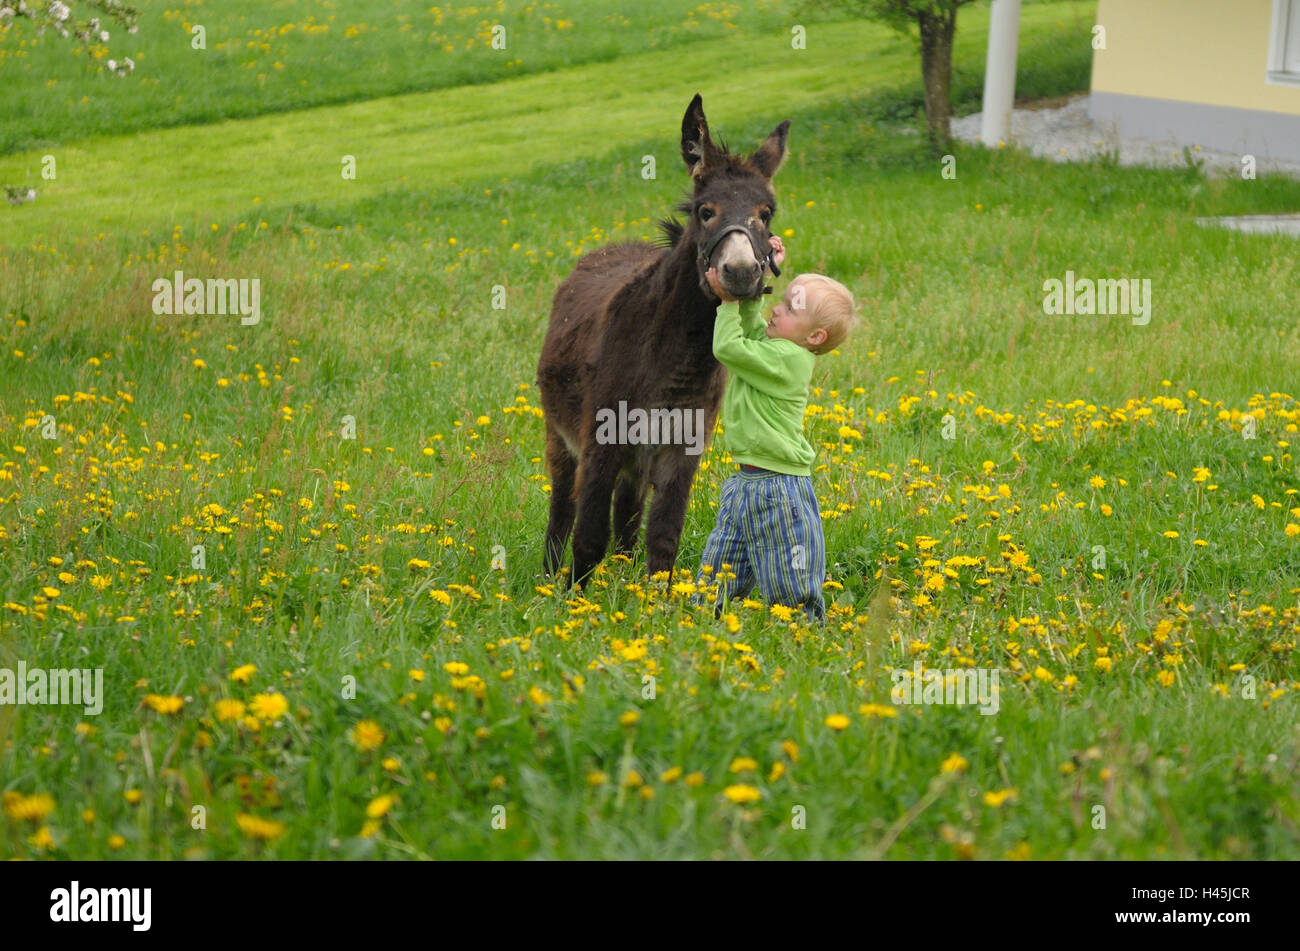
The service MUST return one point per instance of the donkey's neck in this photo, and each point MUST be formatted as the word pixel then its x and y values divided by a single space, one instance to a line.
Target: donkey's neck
pixel 684 306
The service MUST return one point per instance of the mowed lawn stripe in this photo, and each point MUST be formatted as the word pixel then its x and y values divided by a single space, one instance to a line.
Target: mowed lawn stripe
pixel 436 140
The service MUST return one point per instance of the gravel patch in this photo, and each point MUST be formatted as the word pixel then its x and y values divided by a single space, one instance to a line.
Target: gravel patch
pixel 1068 134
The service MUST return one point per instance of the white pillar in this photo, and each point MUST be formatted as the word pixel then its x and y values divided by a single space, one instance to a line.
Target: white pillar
pixel 1000 72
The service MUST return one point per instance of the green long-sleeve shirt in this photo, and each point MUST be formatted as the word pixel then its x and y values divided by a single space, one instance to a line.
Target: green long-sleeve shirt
pixel 767 391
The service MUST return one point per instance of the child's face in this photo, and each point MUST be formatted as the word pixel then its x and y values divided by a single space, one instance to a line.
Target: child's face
pixel 792 323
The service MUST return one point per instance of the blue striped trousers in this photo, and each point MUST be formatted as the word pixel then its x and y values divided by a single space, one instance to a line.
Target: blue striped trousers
pixel 769 530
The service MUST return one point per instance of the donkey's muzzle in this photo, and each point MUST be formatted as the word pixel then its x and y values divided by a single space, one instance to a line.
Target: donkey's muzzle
pixel 741 275
pixel 732 274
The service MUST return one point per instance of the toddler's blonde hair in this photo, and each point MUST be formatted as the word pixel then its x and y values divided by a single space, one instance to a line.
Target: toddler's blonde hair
pixel 833 311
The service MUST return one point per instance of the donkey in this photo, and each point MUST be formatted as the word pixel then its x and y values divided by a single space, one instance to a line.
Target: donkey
pixel 633 324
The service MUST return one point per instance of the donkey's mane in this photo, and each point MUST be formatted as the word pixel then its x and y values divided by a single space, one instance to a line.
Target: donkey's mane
pixel 671 231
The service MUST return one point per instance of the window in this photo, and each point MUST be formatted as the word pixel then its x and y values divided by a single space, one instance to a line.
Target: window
pixel 1284 43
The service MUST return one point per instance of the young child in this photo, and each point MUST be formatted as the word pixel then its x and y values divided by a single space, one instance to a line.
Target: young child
pixel 769 527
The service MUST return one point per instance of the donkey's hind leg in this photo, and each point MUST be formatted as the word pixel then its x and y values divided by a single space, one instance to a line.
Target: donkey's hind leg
pixel 629 505
pixel 563 469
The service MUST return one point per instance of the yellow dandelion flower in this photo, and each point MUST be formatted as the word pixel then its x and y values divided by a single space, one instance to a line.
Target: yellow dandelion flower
pixel 256 827
pixel 269 706
pixel 955 763
pixel 743 764
pixel 229 710
pixel 28 808
pixel 837 721
pixel 380 805
pixel 243 674
pixel 995 799
pixel 161 704
pixel 741 794
pixel 368 735
pixel 877 710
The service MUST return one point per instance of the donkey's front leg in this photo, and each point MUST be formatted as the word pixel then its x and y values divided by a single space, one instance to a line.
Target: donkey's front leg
pixel 596 476
pixel 672 477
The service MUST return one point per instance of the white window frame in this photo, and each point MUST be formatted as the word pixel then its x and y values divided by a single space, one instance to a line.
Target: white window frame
pixel 1284 12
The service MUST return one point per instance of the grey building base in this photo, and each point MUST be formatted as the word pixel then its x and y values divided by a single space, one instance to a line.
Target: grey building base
pixel 1271 135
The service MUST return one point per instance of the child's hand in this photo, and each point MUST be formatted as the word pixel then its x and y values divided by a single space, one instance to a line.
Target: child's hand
pixel 778 250
pixel 715 283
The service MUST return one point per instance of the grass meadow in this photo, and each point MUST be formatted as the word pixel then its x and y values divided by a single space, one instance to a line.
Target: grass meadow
pixel 361 660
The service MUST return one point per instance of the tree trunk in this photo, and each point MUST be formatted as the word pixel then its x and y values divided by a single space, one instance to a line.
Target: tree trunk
pixel 937 30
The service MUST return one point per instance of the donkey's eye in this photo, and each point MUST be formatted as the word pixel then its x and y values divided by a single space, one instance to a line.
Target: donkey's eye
pixel 765 215
pixel 706 213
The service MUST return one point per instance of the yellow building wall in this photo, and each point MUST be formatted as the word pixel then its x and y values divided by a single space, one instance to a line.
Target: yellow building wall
pixel 1205 51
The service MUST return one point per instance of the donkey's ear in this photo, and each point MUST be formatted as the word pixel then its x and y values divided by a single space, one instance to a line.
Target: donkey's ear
pixel 698 150
pixel 772 152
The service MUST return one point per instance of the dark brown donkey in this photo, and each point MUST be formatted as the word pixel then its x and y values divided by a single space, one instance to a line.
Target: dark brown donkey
pixel 631 330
